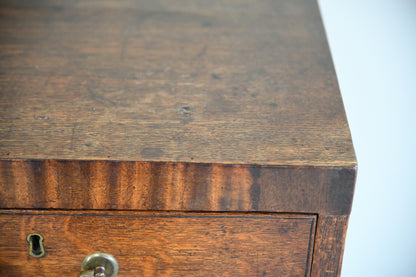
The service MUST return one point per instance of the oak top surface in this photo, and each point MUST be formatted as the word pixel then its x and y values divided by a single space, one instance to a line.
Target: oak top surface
pixel 234 82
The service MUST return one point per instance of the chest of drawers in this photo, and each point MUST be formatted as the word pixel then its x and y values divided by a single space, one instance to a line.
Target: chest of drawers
pixel 185 138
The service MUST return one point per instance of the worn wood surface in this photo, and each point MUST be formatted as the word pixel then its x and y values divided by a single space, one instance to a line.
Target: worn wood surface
pixel 159 244
pixel 174 186
pixel 329 246
pixel 198 106
pixel 238 82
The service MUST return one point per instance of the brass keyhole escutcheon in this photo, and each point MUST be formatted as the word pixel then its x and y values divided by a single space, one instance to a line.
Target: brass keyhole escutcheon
pixel 36 248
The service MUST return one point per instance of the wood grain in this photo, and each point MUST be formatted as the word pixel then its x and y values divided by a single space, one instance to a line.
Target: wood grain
pixel 159 244
pixel 174 186
pixel 235 82
pixel 329 246
pixel 208 106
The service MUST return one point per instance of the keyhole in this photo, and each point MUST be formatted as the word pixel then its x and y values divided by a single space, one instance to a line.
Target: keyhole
pixel 35 245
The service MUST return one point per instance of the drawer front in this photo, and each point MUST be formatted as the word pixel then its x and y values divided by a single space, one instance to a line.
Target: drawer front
pixel 159 243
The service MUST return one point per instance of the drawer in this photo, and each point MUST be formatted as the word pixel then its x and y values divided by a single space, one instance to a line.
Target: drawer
pixel 159 243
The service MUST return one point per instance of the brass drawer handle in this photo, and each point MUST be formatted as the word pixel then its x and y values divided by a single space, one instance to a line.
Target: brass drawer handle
pixel 99 265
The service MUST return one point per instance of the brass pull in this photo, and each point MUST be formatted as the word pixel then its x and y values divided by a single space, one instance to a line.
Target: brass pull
pixel 99 265
pixel 35 245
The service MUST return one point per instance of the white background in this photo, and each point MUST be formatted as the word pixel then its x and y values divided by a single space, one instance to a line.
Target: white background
pixel 373 44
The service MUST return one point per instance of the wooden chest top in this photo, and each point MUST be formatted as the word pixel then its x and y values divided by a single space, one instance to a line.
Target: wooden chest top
pixel 218 99
pixel 200 82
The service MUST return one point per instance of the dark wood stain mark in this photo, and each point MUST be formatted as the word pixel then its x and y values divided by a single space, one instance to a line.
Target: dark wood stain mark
pixel 151 152
pixel 255 189
pixel 100 98
pixel 202 52
pixel 37 181
pixel 215 76
pixel 185 111
pixel 157 187
pixel 113 173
